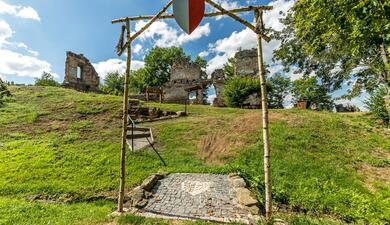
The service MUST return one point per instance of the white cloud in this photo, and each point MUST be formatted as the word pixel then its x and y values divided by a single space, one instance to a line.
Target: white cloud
pixel 226 5
pixel 216 63
pixel 25 47
pixel 5 32
pixel 137 48
pixel 13 63
pixel 246 39
pixel 29 13
pixel 164 35
pixel 25 12
pixel 115 65
pixel 204 54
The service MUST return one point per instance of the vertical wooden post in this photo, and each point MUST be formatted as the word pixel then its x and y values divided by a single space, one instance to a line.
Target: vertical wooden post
pixel 161 95
pixel 386 76
pixel 264 104
pixel 125 123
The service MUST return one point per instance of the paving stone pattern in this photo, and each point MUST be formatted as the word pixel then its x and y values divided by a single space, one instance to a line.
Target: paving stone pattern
pixel 196 196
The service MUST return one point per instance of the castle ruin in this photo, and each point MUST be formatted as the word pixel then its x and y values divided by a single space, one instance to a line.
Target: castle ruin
pixel 80 73
pixel 246 63
pixel 186 78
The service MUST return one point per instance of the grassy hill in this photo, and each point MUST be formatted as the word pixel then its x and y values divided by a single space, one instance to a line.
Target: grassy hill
pixel 59 159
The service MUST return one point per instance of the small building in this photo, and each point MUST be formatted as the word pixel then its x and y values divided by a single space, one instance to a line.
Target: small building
pixel 80 73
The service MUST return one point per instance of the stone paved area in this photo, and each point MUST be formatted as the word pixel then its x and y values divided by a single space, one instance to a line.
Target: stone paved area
pixel 196 196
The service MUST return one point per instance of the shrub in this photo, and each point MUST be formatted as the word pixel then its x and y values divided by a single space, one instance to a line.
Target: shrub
pixel 376 104
pixel 238 89
pixel 46 80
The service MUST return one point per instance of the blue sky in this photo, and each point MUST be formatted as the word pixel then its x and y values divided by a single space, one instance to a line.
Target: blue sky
pixel 35 35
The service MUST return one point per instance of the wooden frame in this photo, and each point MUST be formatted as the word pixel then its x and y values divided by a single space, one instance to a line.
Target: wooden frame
pixel 158 91
pixel 258 29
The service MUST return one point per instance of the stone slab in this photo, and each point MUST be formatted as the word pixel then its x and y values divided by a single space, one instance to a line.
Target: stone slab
pixel 197 196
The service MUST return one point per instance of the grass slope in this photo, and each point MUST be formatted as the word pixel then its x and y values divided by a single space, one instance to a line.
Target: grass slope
pixel 326 168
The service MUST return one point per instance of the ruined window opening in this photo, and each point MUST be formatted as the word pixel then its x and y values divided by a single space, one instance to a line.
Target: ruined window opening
pixel 192 95
pixel 79 72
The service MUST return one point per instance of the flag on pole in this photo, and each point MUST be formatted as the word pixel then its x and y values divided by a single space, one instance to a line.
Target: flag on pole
pixel 188 13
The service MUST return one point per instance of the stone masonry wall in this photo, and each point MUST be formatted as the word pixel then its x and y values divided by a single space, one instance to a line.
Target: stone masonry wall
pixel 218 77
pixel 246 63
pixel 184 75
pixel 185 70
pixel 89 79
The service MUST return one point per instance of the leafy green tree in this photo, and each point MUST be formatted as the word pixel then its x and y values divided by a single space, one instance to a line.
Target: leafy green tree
pixel 138 80
pixel 278 89
pixel 308 89
pixel 228 68
pixel 376 104
pixel 46 79
pixel 4 92
pixel 114 84
pixel 158 63
pixel 338 41
pixel 238 89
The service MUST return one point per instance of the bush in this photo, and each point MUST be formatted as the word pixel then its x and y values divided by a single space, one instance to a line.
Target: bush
pixel 46 80
pixel 238 89
pixel 376 104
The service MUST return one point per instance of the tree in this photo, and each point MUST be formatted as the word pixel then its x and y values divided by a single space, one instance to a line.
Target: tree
pixel 278 89
pixel 46 79
pixel 308 89
pixel 338 41
pixel 114 84
pixel 376 104
pixel 228 68
pixel 158 63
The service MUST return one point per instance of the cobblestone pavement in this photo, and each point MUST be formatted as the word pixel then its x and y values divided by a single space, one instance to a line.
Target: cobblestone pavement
pixel 196 196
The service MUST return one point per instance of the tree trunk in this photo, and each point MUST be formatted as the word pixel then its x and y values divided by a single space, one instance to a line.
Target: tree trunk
pixel 387 76
pixel 124 125
pixel 264 104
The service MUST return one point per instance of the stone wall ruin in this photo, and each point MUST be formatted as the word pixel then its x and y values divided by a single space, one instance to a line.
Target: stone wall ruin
pixel 186 77
pixel 246 63
pixel 218 78
pixel 80 74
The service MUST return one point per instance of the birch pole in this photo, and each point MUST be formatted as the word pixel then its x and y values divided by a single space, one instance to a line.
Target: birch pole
pixel 264 110
pixel 125 123
pixel 387 76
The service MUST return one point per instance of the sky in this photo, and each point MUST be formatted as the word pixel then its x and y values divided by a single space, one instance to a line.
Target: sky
pixel 35 35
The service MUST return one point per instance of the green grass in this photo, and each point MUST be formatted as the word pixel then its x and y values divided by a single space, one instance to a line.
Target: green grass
pixel 57 142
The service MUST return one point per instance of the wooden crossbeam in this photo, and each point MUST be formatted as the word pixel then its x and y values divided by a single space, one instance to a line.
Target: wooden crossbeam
pixel 210 14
